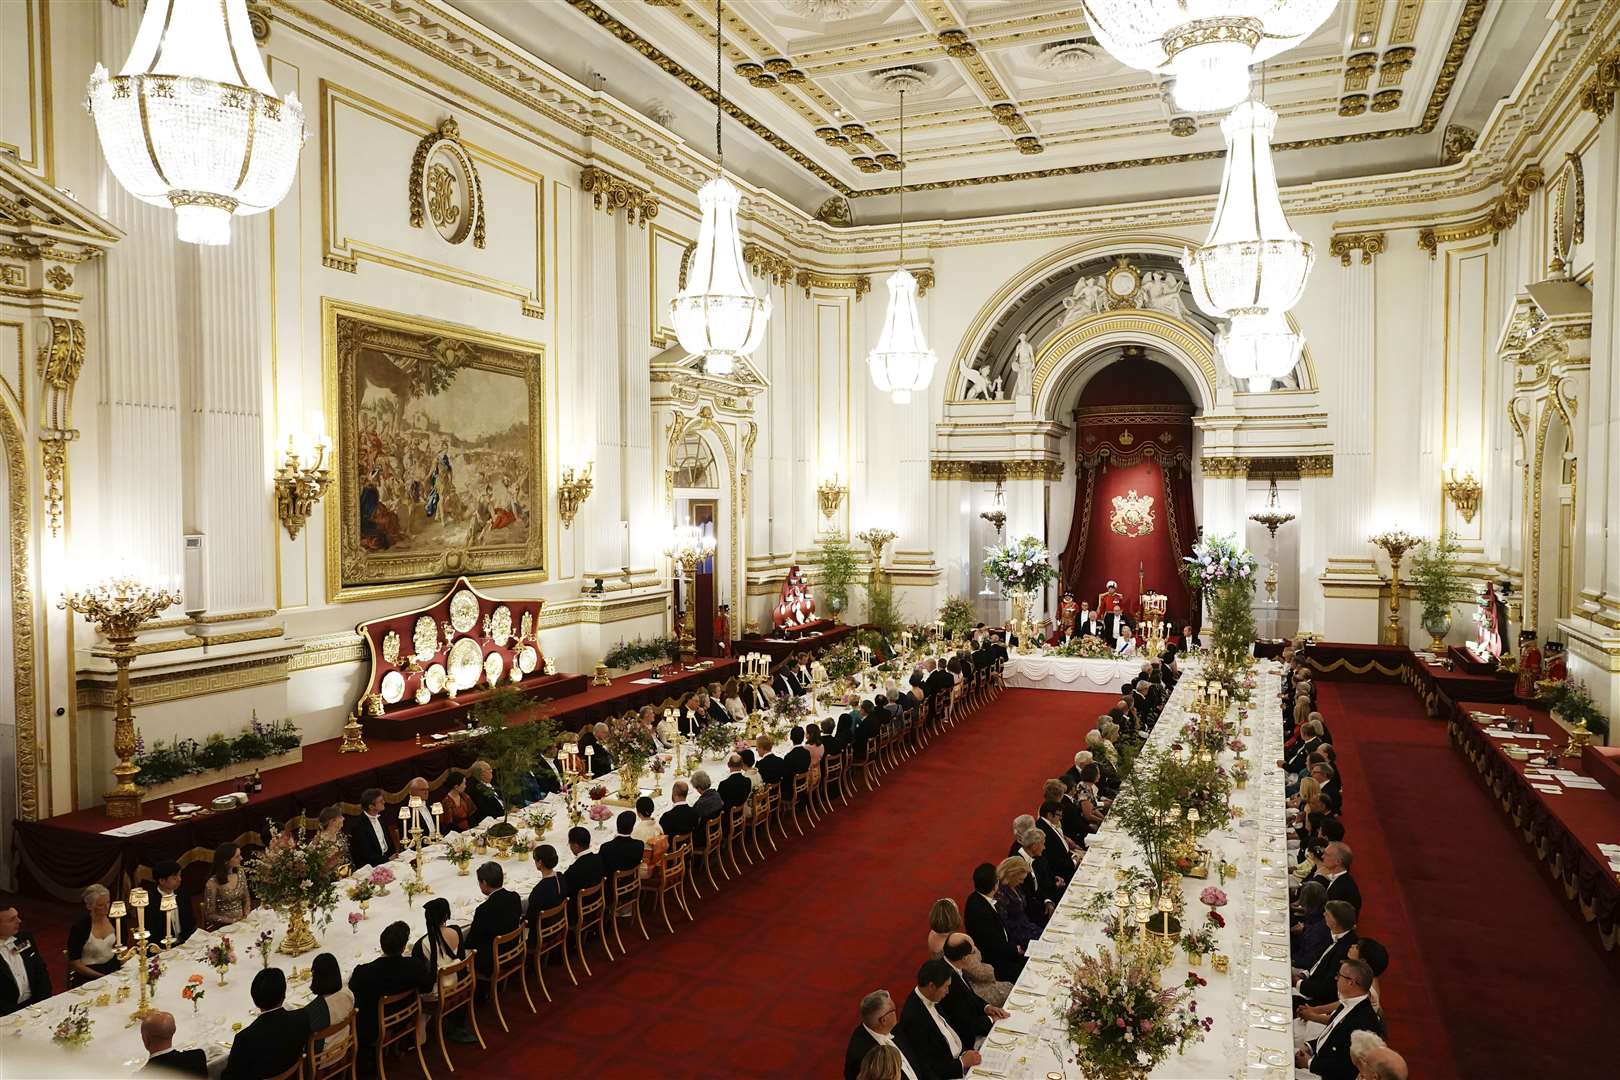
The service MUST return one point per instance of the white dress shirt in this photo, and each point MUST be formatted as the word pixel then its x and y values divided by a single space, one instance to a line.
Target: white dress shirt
pixel 952 1040
pixel 1334 941
pixel 888 1040
pixel 382 837
pixel 11 952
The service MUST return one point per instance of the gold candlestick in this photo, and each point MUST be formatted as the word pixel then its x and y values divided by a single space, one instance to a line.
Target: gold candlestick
pixel 1396 543
pixel 138 950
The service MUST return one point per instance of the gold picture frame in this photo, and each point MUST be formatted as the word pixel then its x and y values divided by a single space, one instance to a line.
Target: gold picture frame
pixel 486 518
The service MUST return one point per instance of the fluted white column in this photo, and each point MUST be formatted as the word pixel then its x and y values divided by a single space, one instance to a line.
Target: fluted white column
pixel 600 354
pixel 1599 571
pixel 228 471
pixel 1354 503
pixel 640 492
pixel 139 393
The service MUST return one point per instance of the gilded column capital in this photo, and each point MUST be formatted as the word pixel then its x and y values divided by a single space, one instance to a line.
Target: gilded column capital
pixel 1224 467
pixel 1048 469
pixel 1597 92
pixel 807 280
pixel 612 193
pixel 1369 244
pixel 768 264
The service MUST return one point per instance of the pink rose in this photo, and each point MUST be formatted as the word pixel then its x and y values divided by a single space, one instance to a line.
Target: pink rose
pixel 1145 1026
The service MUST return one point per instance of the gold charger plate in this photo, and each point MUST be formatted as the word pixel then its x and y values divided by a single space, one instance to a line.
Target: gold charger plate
pixel 527 659
pixel 393 687
pixel 434 678
pixel 494 665
pixel 463 611
pixel 466 664
pixel 500 625
pixel 390 646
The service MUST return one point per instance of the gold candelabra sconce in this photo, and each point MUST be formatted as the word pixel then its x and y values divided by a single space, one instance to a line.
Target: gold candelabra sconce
pixel 1396 543
pixel 118 606
pixel 830 494
pixel 301 481
pixel 876 538
pixel 1464 491
pixel 572 491
pixel 996 517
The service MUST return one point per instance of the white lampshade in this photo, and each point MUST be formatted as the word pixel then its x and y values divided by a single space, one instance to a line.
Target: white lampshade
pixel 901 361
pixel 1260 348
pixel 717 316
pixel 192 120
pixel 1252 262
pixel 1207 45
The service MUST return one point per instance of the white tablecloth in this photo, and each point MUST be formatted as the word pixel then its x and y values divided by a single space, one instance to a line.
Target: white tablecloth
pixel 25 1036
pixel 1251 1004
pixel 1036 672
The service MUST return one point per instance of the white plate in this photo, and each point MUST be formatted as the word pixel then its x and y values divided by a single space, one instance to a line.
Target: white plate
pixel 528 659
pixel 434 679
pixel 393 687
pixel 466 664
pixel 494 665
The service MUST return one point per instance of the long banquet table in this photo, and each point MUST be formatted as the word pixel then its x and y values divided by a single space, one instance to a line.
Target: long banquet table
pixel 1036 671
pixel 1251 1004
pixel 25 1036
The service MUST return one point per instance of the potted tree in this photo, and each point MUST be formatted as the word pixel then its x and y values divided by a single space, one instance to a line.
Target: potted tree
pixel 836 570
pixel 513 747
pixel 1438 583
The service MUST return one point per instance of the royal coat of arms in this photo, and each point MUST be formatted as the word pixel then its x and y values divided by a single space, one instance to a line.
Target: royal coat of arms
pixel 1133 514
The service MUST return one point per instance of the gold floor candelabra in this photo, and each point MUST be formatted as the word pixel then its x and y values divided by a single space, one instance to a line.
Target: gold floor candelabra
pixel 140 948
pixel 118 606
pixel 1396 543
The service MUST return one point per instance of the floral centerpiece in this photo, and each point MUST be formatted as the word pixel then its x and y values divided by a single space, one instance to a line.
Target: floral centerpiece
pixel 1024 565
pixel 523 843
pixel 193 992
pixel 632 747
pixel 262 945
pixel 414 888
pixel 74 1029
pixel 459 850
pixel 1121 1021
pixel 300 880
pixel 716 739
pixel 1225 575
pixel 354 921
pixel 221 955
pixel 538 818
pixel 1088 647
pixel 601 813
pixel 154 972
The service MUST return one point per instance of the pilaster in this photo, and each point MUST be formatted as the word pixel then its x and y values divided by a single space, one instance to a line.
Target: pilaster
pixel 601 352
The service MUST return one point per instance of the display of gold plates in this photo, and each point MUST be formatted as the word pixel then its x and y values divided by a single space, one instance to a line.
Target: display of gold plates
pixel 393 687
pixel 425 638
pixel 434 678
pixel 500 625
pixel 390 646
pixel 527 658
pixel 466 664
pixel 463 611
pixel 494 664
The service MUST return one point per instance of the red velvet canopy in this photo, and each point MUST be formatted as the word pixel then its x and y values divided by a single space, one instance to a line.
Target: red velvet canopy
pixel 1133 512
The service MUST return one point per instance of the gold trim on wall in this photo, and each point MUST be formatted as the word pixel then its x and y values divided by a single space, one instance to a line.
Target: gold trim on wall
pixel 1181 337
pixel 610 194
pixel 1048 469
pixel 24 698
pixel 1266 467
pixel 338 515
pixel 1369 244
pixel 99 693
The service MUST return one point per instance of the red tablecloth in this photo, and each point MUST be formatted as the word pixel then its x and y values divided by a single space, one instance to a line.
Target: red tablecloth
pixel 1348 660
pixel 1565 829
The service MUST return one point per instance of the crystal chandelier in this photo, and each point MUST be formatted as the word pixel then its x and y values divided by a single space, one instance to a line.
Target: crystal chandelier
pixel 1253 263
pixel 193 122
pixel 1259 349
pixel 901 361
pixel 1206 46
pixel 717 316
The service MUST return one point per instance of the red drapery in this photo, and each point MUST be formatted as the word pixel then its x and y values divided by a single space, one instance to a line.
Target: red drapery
pixel 1133 450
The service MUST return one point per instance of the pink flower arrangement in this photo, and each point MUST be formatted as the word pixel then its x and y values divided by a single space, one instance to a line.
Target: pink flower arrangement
pixel 1212 897
pixel 600 811
pixel 354 921
pixel 1238 746
pixel 382 877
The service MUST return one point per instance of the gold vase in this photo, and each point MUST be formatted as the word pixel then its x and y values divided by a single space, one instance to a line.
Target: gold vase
pixel 1195 959
pixel 300 938
pixel 629 781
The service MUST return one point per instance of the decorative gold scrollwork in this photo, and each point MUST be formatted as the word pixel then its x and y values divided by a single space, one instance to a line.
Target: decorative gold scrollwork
pixel 433 196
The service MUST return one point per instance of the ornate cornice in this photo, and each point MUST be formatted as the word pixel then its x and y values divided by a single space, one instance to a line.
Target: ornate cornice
pixel 1597 92
pixel 1047 469
pixel 768 264
pixel 1369 244
pixel 1270 467
pixel 815 279
pixel 612 193
pixel 1499 217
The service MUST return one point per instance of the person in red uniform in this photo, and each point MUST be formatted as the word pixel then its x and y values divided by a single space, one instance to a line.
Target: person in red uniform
pixel 1110 599
pixel 722 630
pixel 1529 666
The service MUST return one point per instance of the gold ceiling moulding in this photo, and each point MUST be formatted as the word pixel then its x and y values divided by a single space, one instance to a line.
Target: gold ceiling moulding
pixel 1404 27
pixel 1499 217
pixel 1046 469
pixel 812 279
pixel 1457 142
pixel 956 43
pixel 433 184
pixel 1396 63
pixel 611 193
pixel 1597 92
pixel 1352 104
pixel 61 359
pixel 259 22
pixel 767 263
pixel 1386 101
pixel 1269 467
pixel 1369 244
pixel 1358 69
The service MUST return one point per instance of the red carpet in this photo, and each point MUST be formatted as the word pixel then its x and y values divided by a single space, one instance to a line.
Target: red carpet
pixel 1490 974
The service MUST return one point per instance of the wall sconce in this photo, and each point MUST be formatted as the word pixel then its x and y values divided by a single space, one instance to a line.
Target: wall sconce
pixel 572 493
pixel 301 480
pixel 831 495
pixel 1463 491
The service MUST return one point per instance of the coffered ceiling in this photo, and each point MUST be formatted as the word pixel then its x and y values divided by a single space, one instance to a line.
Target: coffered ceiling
pixel 1003 97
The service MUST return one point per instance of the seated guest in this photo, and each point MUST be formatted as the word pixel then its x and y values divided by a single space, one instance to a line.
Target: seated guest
pixel 1082 758
pixel 944 919
pixel 333 828
pixel 691 717
pixel 1328 777
pixel 978 976
pixel 487 802
pixel 771 768
pixel 1071 823
pixel 716 711
pixel 1328 1055
pixel 833 738
pixel 1374 1058
pixel 813 744
pixel 548 892
pixel 731 695
pixel 983 923
pixel 1315 985
pixel 1309 932
pixel 601 762
pixel 1043 888
pixel 92 942
pixel 649 832
pixel 332 1004
pixel 1370 952
pixel 796 761
pixel 881 1063
pixel 24 979
pixel 1016 921
pixel 225 893
pixel 877 1029
pixel 372 839
pixel 459 809
pixel 680 819
pixel 736 787
pixel 938 1046
pixel 443 946
pixel 1057 845
pixel 501 912
pixel 709 803
pixel 162 1059
pixel 624 851
pixel 274 1041
pixel 391 973
pixel 169 928
pixel 420 819
pixel 586 869
pixel 1334 870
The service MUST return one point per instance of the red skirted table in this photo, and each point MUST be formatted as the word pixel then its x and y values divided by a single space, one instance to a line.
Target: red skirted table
pixel 780 648
pixel 1350 661
pixel 1563 830
pixel 1442 685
